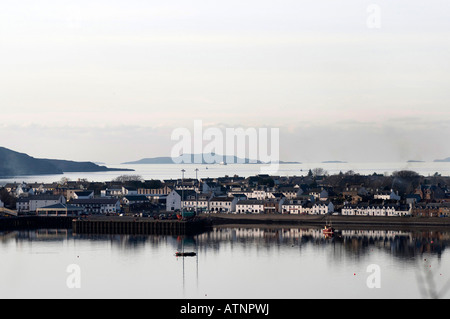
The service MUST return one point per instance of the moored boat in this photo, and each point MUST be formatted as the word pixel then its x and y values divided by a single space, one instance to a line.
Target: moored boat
pixel 328 230
pixel 186 254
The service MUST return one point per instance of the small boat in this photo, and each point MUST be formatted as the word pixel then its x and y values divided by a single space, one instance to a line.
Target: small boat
pixel 187 254
pixel 328 230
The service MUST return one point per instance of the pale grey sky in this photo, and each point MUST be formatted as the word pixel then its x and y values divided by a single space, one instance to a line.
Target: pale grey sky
pixel 109 80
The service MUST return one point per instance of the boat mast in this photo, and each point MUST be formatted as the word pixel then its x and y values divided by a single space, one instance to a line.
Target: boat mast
pixel 182 192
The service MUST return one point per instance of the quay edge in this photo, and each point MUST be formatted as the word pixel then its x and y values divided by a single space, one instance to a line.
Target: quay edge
pixel 34 222
pixel 106 225
pixel 137 226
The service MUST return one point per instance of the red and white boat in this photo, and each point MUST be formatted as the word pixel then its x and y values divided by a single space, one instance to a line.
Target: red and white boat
pixel 328 230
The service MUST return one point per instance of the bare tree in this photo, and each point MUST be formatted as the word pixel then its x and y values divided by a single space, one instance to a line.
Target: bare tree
pixel 319 172
pixel 64 181
pixel 128 178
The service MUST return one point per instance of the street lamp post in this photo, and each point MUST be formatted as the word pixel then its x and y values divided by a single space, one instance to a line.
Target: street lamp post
pixel 196 193
pixel 182 192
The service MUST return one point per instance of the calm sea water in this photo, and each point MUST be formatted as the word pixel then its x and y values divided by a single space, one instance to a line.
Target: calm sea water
pixel 235 262
pixel 172 171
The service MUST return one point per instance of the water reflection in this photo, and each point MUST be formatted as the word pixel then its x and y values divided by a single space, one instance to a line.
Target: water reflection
pixel 243 256
pixel 405 244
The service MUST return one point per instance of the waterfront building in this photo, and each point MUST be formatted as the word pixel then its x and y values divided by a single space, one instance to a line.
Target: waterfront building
pixel 297 207
pixel 194 201
pixel 98 205
pixel 375 210
pixel 30 204
pixel 173 201
pixel 250 206
pixel 293 206
pixel 60 210
pixel 223 204
pixel 322 208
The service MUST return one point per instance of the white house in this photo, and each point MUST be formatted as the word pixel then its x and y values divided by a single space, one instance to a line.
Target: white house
pixel 23 205
pixel 24 190
pixel 375 210
pixel 32 203
pixel 349 210
pixel 297 207
pixel 291 192
pixel 39 201
pixel 322 208
pixel 387 195
pixel 223 204
pixel 250 206
pixel 292 206
pixel 194 201
pixel 258 194
pixel 173 201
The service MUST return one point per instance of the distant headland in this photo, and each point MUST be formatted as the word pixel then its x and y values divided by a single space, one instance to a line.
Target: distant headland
pixel 19 164
pixel 334 162
pixel 203 158
pixel 445 160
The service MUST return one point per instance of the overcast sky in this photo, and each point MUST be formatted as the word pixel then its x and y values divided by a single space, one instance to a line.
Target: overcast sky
pixel 110 80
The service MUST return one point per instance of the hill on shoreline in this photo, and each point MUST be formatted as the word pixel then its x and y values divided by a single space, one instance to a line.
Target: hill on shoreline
pixel 13 163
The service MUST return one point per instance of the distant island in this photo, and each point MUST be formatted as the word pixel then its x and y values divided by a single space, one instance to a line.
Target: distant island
pixel 334 162
pixel 415 161
pixel 18 164
pixel 445 160
pixel 192 158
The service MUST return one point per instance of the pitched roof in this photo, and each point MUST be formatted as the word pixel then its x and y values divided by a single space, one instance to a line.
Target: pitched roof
pixel 250 202
pixel 222 199
pixel 44 197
